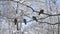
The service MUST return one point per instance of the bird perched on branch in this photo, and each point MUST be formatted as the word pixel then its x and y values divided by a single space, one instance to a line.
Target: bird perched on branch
pixel 41 12
pixel 15 21
pixel 34 18
pixel 25 21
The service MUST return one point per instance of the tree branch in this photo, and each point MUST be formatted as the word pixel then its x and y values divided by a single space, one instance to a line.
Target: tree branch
pixel 46 23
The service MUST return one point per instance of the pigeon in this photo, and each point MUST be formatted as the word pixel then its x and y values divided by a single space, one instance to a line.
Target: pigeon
pixel 34 18
pixel 41 12
pixel 15 21
pixel 25 21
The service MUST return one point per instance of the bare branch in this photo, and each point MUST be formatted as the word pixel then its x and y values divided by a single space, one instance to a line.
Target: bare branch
pixel 51 15
pixel 26 6
pixel 46 23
